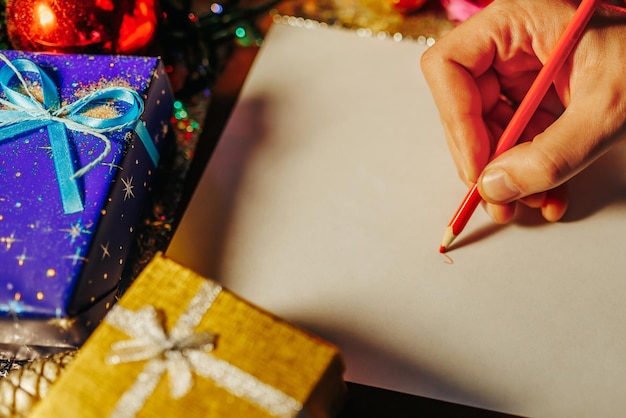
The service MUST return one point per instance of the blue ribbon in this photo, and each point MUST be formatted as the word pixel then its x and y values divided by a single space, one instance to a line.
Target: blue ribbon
pixel 22 113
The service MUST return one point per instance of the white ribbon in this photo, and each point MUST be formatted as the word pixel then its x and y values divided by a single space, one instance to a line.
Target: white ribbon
pixel 180 353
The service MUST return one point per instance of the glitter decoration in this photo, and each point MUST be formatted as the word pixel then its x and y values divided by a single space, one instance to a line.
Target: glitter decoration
pixel 23 384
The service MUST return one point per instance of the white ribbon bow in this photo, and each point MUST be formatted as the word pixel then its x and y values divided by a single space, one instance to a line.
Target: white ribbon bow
pixel 180 353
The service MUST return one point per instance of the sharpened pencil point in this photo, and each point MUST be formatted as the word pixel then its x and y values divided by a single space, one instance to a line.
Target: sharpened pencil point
pixel 448 237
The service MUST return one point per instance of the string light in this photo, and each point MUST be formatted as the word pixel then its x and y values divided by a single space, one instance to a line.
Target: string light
pixel 240 32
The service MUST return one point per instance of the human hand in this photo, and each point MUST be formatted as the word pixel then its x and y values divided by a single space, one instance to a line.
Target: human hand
pixel 483 67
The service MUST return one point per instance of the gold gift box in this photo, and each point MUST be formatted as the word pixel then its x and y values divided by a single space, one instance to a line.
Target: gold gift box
pixel 178 345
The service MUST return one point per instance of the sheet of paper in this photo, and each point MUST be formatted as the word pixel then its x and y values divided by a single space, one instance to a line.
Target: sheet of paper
pixel 325 203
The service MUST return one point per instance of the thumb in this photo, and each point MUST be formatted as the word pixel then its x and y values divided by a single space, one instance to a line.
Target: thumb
pixel 565 148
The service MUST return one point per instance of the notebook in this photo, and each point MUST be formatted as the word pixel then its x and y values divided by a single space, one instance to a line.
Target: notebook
pixel 325 202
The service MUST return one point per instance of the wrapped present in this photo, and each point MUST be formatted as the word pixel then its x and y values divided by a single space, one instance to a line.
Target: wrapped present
pixel 179 345
pixel 80 140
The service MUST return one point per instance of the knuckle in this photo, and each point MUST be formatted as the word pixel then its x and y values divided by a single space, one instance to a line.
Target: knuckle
pixel 430 60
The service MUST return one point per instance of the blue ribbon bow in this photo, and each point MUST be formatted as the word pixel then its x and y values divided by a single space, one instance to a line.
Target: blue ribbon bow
pixel 22 113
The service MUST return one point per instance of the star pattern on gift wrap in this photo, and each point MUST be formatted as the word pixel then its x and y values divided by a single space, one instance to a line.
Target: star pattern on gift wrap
pixel 76 257
pixel 76 230
pixel 105 250
pixel 128 188
pixel 21 259
pixel 117 156
pixel 8 241
pixel 16 306
pixel 112 166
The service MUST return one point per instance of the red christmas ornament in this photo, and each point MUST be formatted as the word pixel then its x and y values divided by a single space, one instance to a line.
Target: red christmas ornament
pixel 75 26
pixel 406 6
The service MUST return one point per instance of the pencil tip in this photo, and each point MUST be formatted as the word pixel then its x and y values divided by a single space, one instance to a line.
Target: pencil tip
pixel 448 237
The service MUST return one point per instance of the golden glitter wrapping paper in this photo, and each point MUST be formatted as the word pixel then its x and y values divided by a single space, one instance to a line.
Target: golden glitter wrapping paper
pixel 257 364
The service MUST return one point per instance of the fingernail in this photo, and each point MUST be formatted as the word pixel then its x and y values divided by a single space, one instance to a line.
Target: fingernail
pixel 497 186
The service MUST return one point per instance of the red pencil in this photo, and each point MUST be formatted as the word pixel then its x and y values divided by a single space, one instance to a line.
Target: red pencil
pixel 525 111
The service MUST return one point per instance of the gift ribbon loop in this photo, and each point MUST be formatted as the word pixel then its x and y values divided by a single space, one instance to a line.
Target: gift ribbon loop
pixel 35 105
pixel 181 353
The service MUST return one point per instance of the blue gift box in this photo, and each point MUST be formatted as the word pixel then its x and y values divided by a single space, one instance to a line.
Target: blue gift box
pixel 80 139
